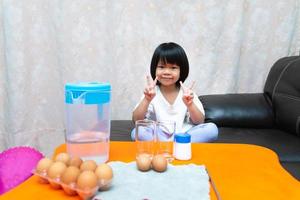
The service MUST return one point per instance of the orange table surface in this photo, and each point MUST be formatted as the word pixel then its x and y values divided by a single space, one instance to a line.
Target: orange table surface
pixel 239 171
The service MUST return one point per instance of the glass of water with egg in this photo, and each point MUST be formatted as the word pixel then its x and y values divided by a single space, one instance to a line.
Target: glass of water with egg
pixel 145 137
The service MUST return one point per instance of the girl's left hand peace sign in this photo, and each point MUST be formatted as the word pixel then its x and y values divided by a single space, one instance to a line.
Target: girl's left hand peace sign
pixel 188 94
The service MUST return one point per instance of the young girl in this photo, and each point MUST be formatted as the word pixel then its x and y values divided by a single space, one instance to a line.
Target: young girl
pixel 166 98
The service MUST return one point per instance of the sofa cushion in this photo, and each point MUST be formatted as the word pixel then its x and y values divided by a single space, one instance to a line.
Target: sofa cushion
pixel 275 72
pixel 283 88
pixel 247 110
pixel 286 145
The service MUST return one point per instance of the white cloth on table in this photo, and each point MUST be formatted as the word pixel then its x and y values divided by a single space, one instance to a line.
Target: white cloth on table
pixel 180 182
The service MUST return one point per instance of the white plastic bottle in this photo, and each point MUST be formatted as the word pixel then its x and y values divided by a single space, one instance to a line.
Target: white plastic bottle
pixel 182 146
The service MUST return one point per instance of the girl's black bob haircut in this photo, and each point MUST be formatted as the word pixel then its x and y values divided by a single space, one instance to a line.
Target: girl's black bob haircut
pixel 170 53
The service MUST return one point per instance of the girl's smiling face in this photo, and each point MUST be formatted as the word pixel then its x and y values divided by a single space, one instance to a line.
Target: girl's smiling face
pixel 167 74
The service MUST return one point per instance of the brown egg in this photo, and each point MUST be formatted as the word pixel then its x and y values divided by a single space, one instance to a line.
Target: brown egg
pixel 143 162
pixel 56 169
pixel 88 165
pixel 104 172
pixel 159 163
pixel 43 165
pixel 70 175
pixel 62 157
pixel 87 180
pixel 54 172
pixel 75 161
pixel 42 168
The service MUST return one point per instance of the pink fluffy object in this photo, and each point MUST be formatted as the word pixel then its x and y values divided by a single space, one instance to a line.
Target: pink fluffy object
pixel 16 165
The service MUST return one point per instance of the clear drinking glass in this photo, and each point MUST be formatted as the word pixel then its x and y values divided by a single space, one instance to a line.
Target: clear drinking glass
pixel 145 137
pixel 165 131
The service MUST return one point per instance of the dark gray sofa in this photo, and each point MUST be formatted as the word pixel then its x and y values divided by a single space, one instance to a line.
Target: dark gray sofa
pixel 270 119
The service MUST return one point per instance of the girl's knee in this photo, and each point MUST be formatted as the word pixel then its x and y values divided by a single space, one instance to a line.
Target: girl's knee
pixel 213 129
pixel 144 134
pixel 132 134
pixel 207 132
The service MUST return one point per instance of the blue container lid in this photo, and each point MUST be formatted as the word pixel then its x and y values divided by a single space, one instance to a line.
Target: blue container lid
pixel 87 93
pixel 182 138
pixel 88 86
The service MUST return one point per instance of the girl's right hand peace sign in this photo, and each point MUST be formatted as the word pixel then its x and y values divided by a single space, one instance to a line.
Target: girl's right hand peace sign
pixel 149 91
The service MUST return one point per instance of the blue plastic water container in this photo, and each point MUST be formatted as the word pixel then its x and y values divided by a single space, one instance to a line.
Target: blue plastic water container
pixel 88 120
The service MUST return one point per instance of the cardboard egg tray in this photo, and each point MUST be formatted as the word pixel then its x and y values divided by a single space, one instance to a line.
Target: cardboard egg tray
pixel 71 189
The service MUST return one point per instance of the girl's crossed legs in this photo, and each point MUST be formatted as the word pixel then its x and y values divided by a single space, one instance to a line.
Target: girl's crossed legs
pixel 206 132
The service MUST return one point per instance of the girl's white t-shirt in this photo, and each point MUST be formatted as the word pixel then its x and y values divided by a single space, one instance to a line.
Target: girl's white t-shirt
pixel 160 109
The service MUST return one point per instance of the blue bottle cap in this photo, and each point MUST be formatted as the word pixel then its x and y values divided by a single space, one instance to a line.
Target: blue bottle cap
pixel 182 138
pixel 87 93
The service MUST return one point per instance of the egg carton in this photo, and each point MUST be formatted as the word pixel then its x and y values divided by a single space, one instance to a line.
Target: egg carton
pixel 71 189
